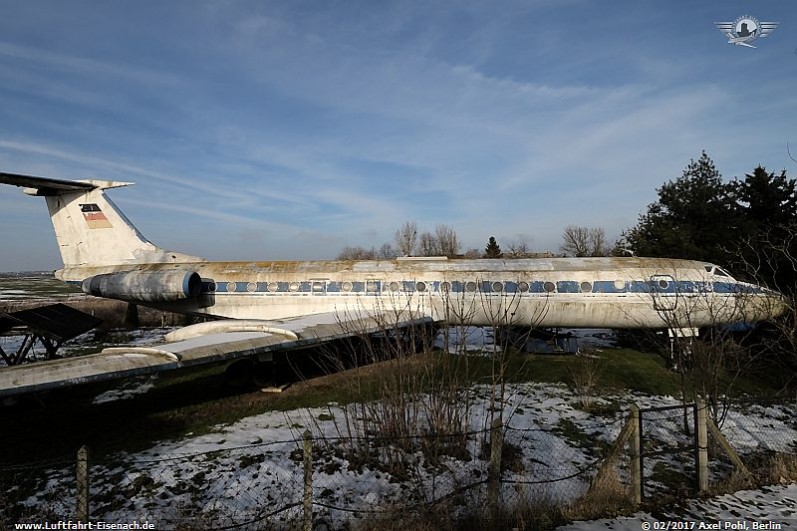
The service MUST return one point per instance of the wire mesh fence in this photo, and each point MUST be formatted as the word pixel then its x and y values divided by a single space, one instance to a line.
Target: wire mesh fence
pixel 667 436
pixel 763 437
pixel 262 485
pixel 540 463
pixel 26 492
pixel 269 485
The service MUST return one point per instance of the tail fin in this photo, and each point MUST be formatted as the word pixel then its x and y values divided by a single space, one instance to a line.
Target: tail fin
pixel 90 229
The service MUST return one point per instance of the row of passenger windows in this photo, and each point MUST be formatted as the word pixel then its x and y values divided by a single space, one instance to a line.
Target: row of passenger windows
pixel 373 286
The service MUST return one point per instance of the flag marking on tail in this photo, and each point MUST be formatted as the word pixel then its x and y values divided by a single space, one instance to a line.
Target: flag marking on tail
pixel 94 217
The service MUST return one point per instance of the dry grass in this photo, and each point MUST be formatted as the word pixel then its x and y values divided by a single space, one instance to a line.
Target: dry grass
pixel 607 496
pixel 585 376
pixel 439 517
pixel 394 411
pixel 533 513
pixel 781 468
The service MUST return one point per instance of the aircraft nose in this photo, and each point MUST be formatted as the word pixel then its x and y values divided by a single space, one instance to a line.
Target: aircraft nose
pixel 761 303
pixel 774 303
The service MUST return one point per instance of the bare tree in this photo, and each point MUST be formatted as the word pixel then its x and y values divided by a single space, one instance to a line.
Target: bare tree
pixel 473 254
pixel 708 356
pixel 447 241
pixel 406 237
pixel 518 249
pixel 770 259
pixel 584 241
pixel 597 242
pixel 386 251
pixel 428 244
pixel 576 241
pixel 710 364
pixel 357 253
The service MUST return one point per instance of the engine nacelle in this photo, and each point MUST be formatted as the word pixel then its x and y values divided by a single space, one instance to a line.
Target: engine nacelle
pixel 145 286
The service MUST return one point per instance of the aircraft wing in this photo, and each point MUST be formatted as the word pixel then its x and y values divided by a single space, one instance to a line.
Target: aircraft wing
pixel 204 343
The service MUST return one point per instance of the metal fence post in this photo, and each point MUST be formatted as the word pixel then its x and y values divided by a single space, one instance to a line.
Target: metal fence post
pixel 308 481
pixel 494 489
pixel 701 444
pixel 82 476
pixel 635 450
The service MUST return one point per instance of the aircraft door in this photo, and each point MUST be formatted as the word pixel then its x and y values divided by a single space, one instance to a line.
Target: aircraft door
pixel 663 290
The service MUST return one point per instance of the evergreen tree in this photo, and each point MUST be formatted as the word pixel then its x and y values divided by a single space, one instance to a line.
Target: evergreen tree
pixel 692 219
pixel 493 250
pixel 767 207
pixel 765 200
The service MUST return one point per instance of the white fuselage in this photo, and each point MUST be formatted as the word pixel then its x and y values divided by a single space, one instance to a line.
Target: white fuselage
pixel 557 292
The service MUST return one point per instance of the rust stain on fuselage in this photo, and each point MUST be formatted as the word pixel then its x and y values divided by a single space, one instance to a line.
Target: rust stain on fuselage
pixel 601 267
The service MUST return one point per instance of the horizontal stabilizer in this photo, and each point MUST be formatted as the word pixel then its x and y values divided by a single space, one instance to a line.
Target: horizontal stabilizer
pixel 91 231
pixel 44 184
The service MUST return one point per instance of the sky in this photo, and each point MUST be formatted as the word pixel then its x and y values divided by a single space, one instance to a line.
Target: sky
pixel 289 130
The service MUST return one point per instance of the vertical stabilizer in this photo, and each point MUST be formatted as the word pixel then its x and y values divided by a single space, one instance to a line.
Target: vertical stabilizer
pixel 90 229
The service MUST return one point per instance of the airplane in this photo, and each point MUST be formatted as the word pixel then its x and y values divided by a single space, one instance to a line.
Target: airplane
pixel 264 306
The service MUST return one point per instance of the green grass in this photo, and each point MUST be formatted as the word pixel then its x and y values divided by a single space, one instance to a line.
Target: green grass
pixel 624 369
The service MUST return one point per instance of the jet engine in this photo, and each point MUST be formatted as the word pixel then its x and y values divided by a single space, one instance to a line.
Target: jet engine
pixel 145 286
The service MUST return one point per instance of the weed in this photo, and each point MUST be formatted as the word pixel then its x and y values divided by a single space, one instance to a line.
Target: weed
pixel 585 374
pixel 607 496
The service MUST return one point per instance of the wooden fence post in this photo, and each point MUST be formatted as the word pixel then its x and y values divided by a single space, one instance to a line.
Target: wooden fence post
pixel 726 446
pixel 494 489
pixel 701 444
pixel 308 481
pixel 611 457
pixel 82 476
pixel 635 450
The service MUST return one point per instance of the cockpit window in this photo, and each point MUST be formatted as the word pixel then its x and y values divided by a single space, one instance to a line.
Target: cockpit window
pixel 717 271
pixel 721 272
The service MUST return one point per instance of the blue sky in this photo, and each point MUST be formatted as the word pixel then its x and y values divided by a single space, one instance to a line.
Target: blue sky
pixel 288 130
